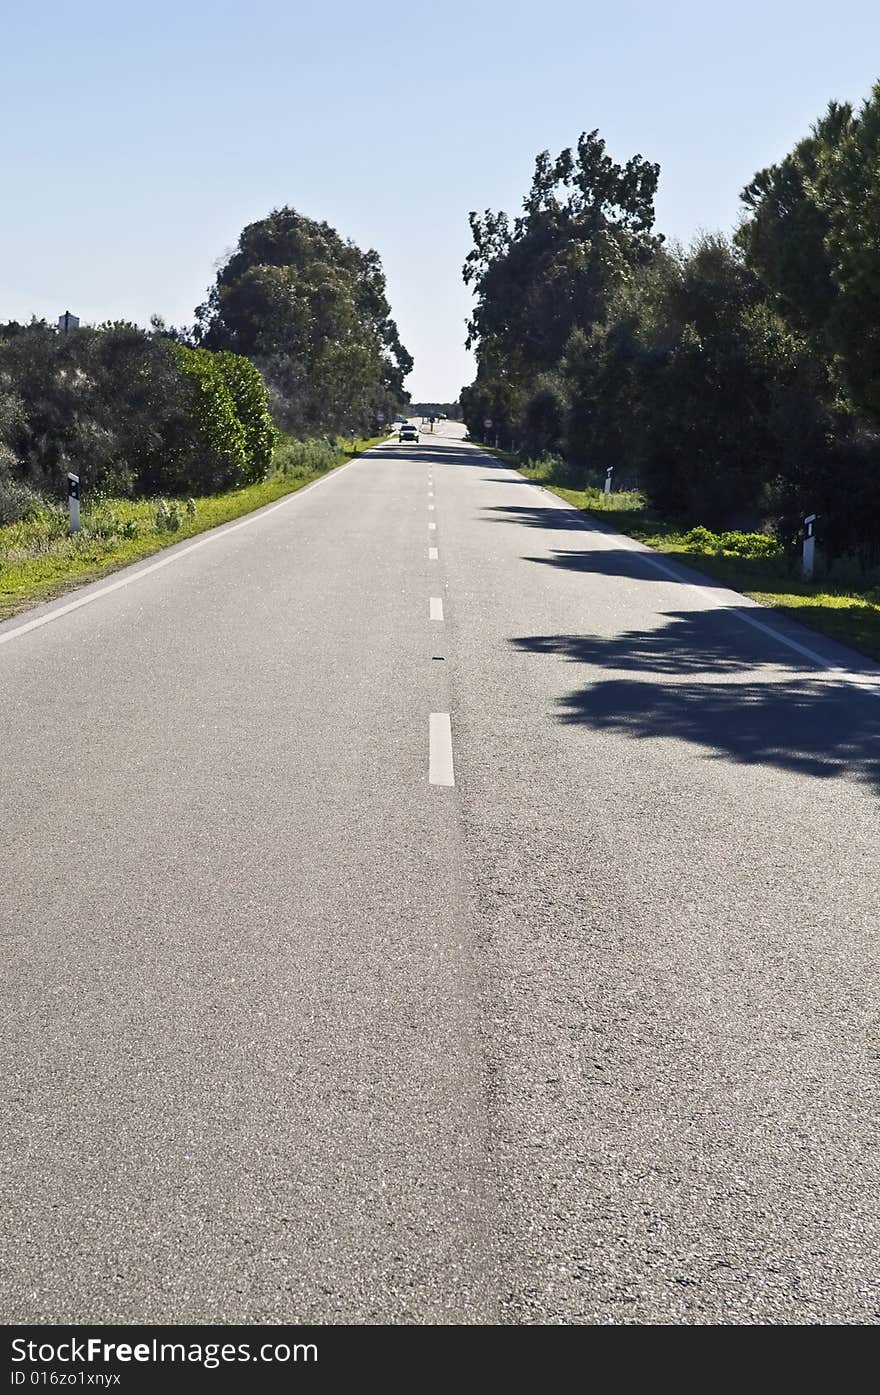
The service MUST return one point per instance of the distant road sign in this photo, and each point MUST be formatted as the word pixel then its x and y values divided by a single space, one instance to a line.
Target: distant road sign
pixel 487 422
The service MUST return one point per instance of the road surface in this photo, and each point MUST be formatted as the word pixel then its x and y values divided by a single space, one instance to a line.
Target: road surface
pixel 421 907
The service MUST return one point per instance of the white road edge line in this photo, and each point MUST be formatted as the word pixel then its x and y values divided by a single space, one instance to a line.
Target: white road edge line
pixel 440 767
pixel 433 554
pixel 436 607
pixel 213 536
pixel 718 598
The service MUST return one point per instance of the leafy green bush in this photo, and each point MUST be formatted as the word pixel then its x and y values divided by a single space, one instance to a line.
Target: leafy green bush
pixel 301 458
pixel 17 500
pixel 544 417
pixel 105 523
pixel 701 540
pixel 543 467
pixel 732 544
pixel 38 533
pixel 207 447
pixel 133 414
pixel 250 397
pixel 749 545
pixel 168 516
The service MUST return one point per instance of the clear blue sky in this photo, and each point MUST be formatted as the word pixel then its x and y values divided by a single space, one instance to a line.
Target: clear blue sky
pixel 138 138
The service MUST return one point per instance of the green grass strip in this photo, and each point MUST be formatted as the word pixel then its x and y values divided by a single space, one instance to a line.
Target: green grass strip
pixel 37 564
pixel 843 613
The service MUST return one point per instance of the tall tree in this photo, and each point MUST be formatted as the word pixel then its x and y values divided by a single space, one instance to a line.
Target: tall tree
pixel 585 222
pixel 310 308
pixel 812 237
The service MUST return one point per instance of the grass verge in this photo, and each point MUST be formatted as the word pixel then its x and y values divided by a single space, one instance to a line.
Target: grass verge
pixel 836 605
pixel 38 561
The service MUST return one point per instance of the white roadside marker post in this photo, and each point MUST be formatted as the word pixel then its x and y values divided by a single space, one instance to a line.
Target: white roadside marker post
pixel 809 545
pixel 73 502
pixel 608 473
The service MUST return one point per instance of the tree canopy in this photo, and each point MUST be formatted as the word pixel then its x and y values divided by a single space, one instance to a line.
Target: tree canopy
pixel 586 222
pixel 733 382
pixel 812 237
pixel 309 307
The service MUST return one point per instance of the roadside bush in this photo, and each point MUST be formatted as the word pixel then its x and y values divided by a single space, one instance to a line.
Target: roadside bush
pixel 206 446
pixel 132 413
pixel 301 458
pixel 544 418
pixel 168 516
pixel 544 467
pixel 105 523
pixel 749 545
pixel 250 398
pixel 17 500
pixel 732 544
pixel 37 533
pixel 701 540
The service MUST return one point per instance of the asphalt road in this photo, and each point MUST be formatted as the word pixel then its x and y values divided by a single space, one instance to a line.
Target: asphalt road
pixel 460 923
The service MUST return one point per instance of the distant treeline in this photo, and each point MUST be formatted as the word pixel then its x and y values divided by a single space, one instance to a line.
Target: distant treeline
pixel 436 409
pixel 295 334
pixel 736 382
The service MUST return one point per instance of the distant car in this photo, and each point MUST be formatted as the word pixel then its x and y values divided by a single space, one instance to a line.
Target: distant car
pixel 408 433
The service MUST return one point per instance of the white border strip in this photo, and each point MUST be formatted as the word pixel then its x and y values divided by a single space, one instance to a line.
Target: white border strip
pixel 214 535
pixel 733 602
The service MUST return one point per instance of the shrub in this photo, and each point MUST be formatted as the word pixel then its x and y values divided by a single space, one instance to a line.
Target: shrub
pixel 17 500
pixel 168 516
pixel 732 544
pixel 301 458
pixel 544 418
pixel 250 398
pixel 207 445
pixel 544 467
pixel 105 523
pixel 750 545
pixel 701 540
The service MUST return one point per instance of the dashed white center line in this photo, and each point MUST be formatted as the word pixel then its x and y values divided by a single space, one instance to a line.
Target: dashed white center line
pixel 432 525
pixel 430 508
pixel 433 554
pixel 436 607
pixel 440 767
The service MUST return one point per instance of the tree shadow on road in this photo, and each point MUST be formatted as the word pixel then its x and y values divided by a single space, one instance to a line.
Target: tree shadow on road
pixel 427 452
pixel 703 687
pixel 536 516
pixel 517 479
pixel 851 622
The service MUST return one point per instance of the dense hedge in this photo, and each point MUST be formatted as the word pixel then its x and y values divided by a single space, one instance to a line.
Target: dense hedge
pixel 250 400
pixel 132 413
pixel 207 447
pixel 735 383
